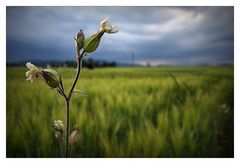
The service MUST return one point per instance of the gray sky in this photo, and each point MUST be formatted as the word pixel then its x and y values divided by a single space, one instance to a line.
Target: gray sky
pixel 159 35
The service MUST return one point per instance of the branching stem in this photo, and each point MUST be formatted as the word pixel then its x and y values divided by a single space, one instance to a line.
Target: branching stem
pixel 67 99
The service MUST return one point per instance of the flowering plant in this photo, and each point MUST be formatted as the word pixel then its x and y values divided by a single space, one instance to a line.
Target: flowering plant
pixel 53 80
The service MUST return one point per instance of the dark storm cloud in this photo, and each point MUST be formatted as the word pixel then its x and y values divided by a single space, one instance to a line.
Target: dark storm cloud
pixel 159 35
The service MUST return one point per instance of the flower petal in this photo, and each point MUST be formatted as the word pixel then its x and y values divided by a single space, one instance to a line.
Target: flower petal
pixel 29 78
pixel 105 26
pixel 28 73
pixel 104 23
pixel 29 65
pixel 113 30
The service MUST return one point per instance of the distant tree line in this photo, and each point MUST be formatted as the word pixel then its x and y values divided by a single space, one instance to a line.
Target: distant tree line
pixel 87 63
pixel 90 63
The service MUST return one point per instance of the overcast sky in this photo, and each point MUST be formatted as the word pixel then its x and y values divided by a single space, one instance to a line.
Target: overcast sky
pixel 159 35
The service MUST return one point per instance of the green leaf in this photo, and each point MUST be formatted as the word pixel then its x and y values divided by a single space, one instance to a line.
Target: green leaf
pixel 80 92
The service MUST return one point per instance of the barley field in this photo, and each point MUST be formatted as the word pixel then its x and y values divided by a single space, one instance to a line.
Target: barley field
pixel 128 112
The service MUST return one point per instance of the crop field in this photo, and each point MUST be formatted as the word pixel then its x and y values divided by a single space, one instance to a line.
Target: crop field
pixel 128 112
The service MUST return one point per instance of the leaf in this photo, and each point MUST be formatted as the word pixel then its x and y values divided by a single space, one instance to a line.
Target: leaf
pixel 80 92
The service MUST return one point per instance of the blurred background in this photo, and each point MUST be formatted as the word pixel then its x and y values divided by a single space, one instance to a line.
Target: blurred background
pixel 155 36
pixel 160 87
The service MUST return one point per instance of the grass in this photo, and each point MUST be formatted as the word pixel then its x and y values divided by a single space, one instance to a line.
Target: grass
pixel 128 112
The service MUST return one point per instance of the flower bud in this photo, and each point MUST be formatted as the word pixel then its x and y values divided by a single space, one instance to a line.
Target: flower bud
pixel 76 127
pixel 58 128
pixel 75 135
pixel 80 40
pixel 58 125
pixel 51 77
pixel 91 43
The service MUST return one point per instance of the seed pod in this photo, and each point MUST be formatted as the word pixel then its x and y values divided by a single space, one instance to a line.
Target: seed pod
pixel 91 43
pixel 51 77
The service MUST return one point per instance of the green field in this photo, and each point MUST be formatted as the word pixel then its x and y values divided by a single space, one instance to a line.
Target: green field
pixel 128 112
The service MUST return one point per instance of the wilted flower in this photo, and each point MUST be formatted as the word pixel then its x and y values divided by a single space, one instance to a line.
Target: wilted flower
pixel 75 135
pixel 51 77
pixel 105 26
pixel 33 73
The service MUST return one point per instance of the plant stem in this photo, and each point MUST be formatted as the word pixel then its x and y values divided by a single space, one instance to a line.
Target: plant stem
pixel 61 148
pixel 67 127
pixel 79 66
pixel 67 99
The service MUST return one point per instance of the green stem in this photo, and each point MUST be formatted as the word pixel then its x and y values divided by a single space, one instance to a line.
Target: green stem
pixel 79 66
pixel 67 127
pixel 61 147
pixel 67 99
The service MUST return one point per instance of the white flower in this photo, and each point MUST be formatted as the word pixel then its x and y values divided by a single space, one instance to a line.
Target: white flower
pixel 58 125
pixel 33 73
pixel 105 26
